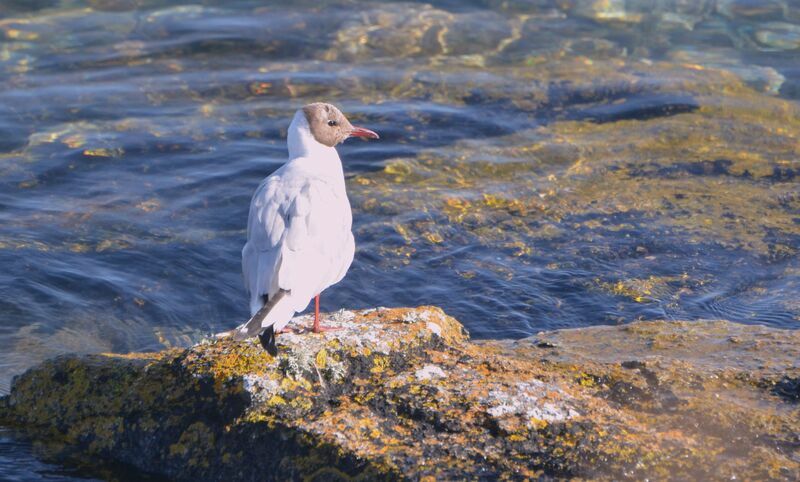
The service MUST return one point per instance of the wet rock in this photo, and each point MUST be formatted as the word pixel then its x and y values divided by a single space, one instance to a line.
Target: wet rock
pixel 788 388
pixel 646 107
pixel 398 31
pixel 778 36
pixel 403 393
pixel 765 79
pixel 658 14
pixel 394 31
pixel 607 10
pixel 751 9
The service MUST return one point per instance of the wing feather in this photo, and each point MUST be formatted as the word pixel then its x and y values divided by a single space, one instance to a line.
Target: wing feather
pixel 277 231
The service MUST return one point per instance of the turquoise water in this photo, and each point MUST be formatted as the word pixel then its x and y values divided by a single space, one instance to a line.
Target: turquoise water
pixel 515 183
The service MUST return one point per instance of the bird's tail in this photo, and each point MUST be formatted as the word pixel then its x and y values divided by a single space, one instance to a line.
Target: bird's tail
pixel 277 310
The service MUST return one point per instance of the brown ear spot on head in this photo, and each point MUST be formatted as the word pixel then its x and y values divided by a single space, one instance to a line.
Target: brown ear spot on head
pixel 327 123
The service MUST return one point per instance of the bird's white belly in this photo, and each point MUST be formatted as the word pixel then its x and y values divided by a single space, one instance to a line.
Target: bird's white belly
pixel 332 250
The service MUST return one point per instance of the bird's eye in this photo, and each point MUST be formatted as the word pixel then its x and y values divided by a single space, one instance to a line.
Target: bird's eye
pixel 332 123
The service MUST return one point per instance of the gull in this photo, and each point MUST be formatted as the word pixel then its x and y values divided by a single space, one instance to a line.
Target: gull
pixel 299 238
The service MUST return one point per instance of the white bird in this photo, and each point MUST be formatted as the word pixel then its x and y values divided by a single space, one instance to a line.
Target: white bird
pixel 299 239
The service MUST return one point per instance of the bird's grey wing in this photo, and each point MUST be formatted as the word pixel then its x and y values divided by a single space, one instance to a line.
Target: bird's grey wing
pixel 279 254
pixel 266 228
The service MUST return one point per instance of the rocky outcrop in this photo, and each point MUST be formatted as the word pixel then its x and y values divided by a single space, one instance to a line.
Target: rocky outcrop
pixel 404 394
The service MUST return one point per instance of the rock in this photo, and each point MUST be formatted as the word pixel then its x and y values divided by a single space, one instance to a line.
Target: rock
pixel 403 393
pixel 751 10
pixel 778 36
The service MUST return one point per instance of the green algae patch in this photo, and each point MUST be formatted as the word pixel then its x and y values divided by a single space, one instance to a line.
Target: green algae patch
pixel 604 163
pixel 403 394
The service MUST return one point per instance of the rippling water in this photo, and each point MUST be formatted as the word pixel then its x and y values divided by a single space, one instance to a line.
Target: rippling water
pixel 543 164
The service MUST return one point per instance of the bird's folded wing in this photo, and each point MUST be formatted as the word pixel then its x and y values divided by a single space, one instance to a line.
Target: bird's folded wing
pixel 281 251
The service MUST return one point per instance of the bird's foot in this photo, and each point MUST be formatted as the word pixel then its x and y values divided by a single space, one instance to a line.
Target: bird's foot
pixel 323 329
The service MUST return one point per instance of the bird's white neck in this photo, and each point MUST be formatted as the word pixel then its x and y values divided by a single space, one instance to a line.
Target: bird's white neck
pixel 302 143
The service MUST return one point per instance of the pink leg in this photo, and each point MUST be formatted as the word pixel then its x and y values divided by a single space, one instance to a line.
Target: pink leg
pixel 317 328
pixel 316 314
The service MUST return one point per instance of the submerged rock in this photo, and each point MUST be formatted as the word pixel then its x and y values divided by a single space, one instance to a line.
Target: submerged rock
pixel 403 393
pixel 778 36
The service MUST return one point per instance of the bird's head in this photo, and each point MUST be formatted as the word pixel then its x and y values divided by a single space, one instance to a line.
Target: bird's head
pixel 330 127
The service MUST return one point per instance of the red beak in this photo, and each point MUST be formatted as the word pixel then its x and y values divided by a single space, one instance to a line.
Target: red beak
pixel 361 132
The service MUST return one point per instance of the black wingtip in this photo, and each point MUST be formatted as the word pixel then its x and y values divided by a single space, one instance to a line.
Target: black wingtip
pixel 267 339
